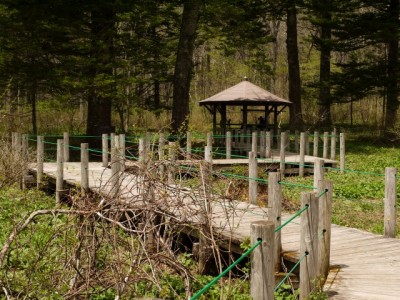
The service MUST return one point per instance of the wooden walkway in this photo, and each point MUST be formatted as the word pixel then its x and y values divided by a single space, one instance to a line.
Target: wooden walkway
pixel 363 265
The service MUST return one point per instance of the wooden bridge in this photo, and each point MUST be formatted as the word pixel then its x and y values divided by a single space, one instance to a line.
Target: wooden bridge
pixel 363 265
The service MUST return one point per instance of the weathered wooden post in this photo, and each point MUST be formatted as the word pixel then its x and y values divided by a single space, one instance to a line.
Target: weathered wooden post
pixel 40 161
pixel 209 139
pixel 115 176
pixel 84 168
pixel 282 153
pixel 161 156
pixel 208 153
pixel 262 278
pixel 390 202
pixel 302 153
pixel 315 146
pixel 66 146
pixel 104 151
pixel 142 150
pixel 148 143
pixel 254 142
pixel 342 152
pixel 171 164
pixel 308 244
pixel 325 193
pixel 274 213
pixel 307 143
pixel 262 144
pixel 117 152
pixel 18 144
pixel 122 150
pixel 228 145
pixel 325 145
pixel 268 144
pixel 333 145
pixel 318 171
pixel 253 174
pixel 112 146
pixel 60 171
pixel 188 146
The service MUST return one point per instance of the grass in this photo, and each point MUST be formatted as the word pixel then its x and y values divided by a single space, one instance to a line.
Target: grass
pixel 358 193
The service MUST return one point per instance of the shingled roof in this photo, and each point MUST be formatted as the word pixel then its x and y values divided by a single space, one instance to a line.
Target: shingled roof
pixel 243 93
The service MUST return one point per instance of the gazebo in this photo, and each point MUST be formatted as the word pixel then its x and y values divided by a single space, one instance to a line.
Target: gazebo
pixel 251 98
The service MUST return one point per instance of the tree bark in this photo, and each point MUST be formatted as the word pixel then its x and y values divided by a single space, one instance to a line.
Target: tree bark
pixel 392 103
pixel 102 58
pixel 32 100
pixel 325 118
pixel 296 116
pixel 184 64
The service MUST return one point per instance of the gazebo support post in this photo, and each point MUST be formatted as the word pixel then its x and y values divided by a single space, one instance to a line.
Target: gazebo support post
pixel 244 117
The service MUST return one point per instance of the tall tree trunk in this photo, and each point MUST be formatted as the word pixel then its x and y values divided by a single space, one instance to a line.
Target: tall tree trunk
pixel 392 103
pixel 325 73
pixel 32 100
pixel 274 27
pixel 101 55
pixel 296 115
pixel 184 64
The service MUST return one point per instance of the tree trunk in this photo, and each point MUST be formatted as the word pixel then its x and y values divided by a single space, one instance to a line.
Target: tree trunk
pixel 325 118
pixel 296 116
pixel 184 64
pixel 392 103
pixel 274 26
pixel 32 100
pixel 102 57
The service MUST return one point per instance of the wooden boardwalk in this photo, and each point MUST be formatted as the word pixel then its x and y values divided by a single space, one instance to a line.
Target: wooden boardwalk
pixel 363 265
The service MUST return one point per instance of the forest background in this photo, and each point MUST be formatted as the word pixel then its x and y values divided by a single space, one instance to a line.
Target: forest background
pixel 86 66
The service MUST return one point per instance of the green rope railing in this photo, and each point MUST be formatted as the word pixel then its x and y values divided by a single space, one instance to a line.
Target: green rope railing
pixel 290 272
pixel 292 218
pixel 212 282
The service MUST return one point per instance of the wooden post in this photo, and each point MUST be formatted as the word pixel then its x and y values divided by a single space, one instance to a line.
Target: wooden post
pixel 324 229
pixel 142 150
pixel 241 141
pixel 66 146
pixel 84 168
pixel 253 184
pixel 148 143
pixel 18 144
pixel 262 280
pixel 278 139
pixel 161 156
pixel 115 176
pixel 208 153
pixel 390 202
pixel 40 161
pixel 188 146
pixel 248 140
pixel 282 149
pixel 60 171
pixel 318 171
pixel 112 146
pixel 274 213
pixel 326 145
pixel 228 145
pixel 316 139
pixel 342 151
pixel 308 244
pixel 302 152
pixel 268 144
pixel 262 144
pixel 172 158
pixel 122 150
pixel 104 144
pixel 333 145
pixel 254 142
pixel 209 139
pixel 117 152
pixel 307 143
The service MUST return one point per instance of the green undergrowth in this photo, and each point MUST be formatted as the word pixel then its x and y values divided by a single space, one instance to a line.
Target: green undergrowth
pixel 358 196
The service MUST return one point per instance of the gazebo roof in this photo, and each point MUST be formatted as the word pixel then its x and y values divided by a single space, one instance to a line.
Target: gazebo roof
pixel 245 93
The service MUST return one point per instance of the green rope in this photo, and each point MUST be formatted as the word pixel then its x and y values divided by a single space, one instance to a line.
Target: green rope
pixel 290 272
pixel 292 218
pixel 297 185
pixel 322 193
pixel 211 283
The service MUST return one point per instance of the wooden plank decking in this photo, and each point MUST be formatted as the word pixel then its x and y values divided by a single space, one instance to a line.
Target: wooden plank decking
pixel 363 265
